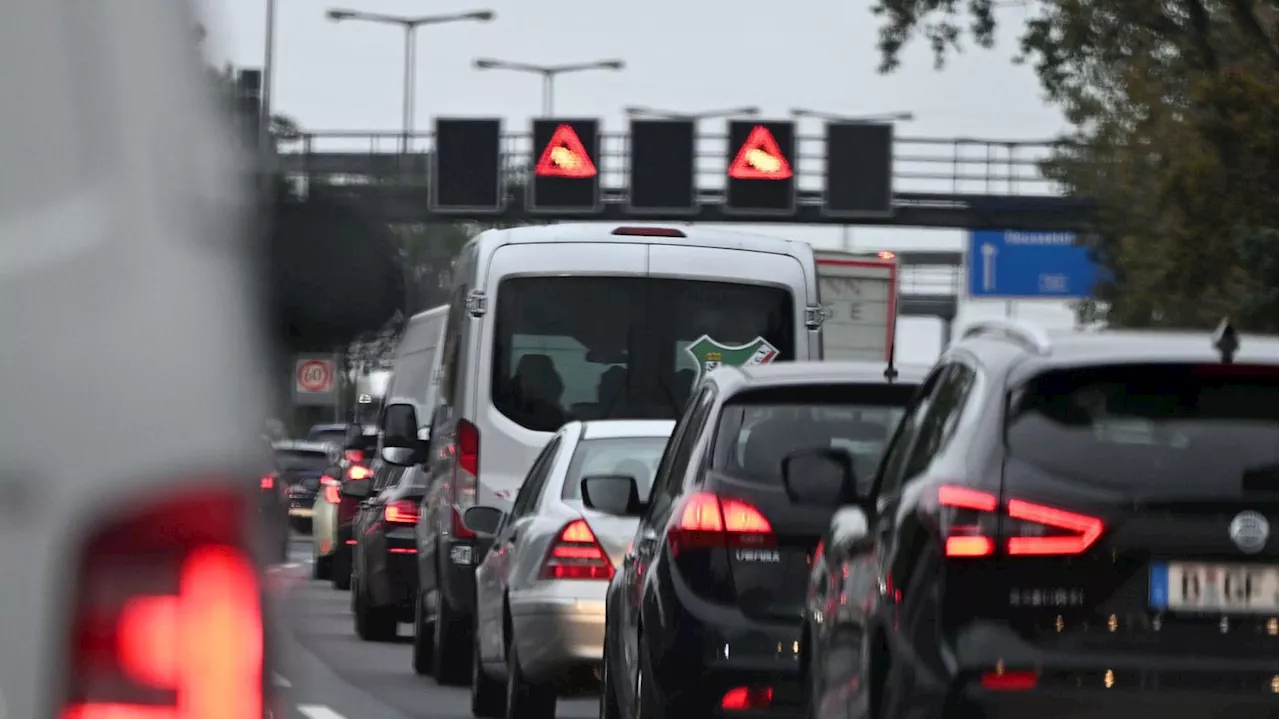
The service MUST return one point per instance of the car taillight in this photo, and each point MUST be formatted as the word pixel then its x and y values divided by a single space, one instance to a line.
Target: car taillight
pixel 747 698
pixel 1030 529
pixel 167 619
pixel 577 555
pixel 708 521
pixel 401 511
pixel 466 471
pixel 354 455
pixel 359 471
pixel 267 482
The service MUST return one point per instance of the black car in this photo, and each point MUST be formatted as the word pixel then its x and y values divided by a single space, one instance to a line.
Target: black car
pixel 1063 526
pixel 300 465
pixel 705 615
pixel 384 571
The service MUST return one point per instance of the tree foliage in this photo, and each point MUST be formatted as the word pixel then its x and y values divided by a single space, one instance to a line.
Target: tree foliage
pixel 1173 105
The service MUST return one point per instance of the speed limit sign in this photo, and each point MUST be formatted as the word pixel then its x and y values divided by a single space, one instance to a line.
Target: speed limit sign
pixel 314 376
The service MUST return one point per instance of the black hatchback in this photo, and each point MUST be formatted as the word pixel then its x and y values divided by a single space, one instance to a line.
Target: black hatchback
pixel 299 467
pixel 1064 526
pixel 704 617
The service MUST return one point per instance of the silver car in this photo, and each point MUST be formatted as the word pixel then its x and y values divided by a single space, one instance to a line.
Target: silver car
pixel 540 589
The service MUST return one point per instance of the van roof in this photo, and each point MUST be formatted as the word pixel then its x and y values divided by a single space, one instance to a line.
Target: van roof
pixel 603 232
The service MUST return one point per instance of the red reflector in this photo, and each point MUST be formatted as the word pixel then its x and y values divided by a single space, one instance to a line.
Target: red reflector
pixel 401 511
pixel 649 232
pixel 577 555
pixel 745 698
pixel 1010 681
pixel 359 471
pixel 168 622
pixel 331 494
pixel 1086 530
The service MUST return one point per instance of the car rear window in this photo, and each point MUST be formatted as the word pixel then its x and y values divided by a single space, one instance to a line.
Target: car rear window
pixel 336 437
pixel 1204 427
pixel 760 429
pixel 626 456
pixel 292 460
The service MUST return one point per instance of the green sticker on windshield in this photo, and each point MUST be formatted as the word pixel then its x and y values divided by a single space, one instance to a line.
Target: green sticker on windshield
pixel 709 354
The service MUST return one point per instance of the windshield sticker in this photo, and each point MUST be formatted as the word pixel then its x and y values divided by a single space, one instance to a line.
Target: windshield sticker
pixel 709 354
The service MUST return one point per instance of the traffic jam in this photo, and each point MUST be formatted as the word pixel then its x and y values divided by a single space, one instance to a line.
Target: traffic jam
pixel 706 488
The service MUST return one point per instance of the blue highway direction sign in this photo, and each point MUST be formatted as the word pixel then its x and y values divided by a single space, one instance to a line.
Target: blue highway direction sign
pixel 1009 264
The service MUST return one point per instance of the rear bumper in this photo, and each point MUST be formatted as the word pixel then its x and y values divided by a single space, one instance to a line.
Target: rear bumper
pixel 396 582
pixel 559 629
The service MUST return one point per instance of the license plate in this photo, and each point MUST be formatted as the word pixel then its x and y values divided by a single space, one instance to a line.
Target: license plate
pixel 1215 588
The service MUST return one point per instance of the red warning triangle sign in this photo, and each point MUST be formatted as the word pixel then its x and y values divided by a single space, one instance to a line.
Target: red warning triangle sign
pixel 760 158
pixel 565 156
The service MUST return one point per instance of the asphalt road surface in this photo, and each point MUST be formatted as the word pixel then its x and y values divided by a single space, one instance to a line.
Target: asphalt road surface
pixel 326 672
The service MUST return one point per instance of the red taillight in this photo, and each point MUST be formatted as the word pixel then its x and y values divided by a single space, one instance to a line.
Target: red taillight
pixel 466 471
pixel 401 511
pixel 971 531
pixel 268 482
pixel 354 455
pixel 577 555
pixel 1002 681
pixel 746 698
pixel 706 520
pixel 332 494
pixel 168 618
pixel 359 471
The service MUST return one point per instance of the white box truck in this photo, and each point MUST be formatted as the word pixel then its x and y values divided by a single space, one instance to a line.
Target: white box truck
pixel 860 295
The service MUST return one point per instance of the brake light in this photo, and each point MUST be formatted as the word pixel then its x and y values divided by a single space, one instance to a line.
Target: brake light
pixel 746 698
pixel 354 455
pixel 577 555
pixel 466 471
pixel 708 521
pixel 167 622
pixel 1003 681
pixel 649 232
pixel 359 471
pixel 401 511
pixel 268 482
pixel 1032 529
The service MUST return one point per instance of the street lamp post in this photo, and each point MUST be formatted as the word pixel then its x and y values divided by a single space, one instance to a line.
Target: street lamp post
pixel 410 25
pixel 548 74
pixel 642 111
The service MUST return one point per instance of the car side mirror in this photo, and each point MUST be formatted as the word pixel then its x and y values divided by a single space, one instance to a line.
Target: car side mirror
pixel 618 495
pixel 822 476
pixel 356 488
pixel 483 521
pixel 850 532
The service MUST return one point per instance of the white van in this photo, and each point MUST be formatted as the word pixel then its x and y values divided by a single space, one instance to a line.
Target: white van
pixel 565 322
pixel 416 362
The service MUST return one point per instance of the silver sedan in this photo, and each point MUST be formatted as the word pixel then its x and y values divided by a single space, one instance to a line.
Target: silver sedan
pixel 540 589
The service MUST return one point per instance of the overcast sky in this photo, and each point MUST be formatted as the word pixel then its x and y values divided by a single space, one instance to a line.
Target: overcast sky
pixel 681 55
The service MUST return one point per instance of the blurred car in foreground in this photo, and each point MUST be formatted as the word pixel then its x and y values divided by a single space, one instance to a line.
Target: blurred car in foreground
pixel 540 588
pixel 300 466
pixel 705 615
pixel 1075 526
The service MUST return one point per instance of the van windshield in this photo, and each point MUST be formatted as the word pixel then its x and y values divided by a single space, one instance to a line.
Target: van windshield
pixel 584 348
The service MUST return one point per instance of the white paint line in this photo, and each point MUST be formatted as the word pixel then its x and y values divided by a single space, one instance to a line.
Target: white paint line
pixel 280 681
pixel 318 711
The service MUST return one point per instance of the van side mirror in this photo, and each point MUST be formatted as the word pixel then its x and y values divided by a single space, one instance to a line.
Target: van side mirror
pixel 401 444
pixel 618 495
pixel 821 476
pixel 483 521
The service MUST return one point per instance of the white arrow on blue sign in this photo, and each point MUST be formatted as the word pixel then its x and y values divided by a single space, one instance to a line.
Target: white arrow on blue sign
pixel 1012 264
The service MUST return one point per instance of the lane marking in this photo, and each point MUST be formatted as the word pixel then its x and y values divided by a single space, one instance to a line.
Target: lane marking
pixel 318 711
pixel 280 681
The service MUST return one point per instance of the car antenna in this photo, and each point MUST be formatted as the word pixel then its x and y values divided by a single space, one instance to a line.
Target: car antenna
pixel 1226 340
pixel 891 372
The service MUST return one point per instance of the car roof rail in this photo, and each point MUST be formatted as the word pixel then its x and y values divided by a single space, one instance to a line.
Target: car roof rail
pixel 1033 338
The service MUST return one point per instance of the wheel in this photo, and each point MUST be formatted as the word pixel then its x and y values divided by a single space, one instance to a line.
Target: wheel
pixel 609 708
pixel 525 700
pixel 422 636
pixel 321 567
pixel 373 624
pixel 647 705
pixel 340 569
pixel 451 644
pixel 488 695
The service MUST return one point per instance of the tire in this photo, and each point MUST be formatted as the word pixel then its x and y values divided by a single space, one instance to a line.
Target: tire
pixel 488 695
pixel 526 700
pixel 321 567
pixel 450 644
pixel 373 624
pixel 647 704
pixel 422 638
pixel 609 707
pixel 340 569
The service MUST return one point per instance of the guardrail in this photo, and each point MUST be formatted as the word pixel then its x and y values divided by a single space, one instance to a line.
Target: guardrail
pixel 956 166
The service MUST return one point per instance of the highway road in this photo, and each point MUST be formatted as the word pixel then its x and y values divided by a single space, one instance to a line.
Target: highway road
pixel 326 672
